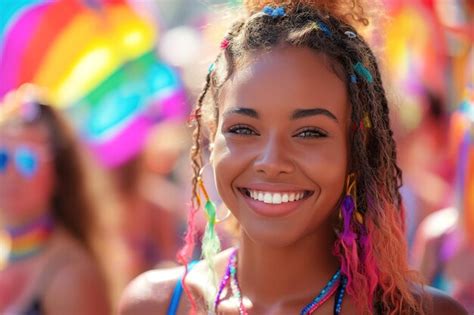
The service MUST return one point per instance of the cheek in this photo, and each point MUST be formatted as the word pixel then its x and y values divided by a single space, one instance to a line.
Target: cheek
pixel 36 193
pixel 334 164
pixel 227 166
pixel 41 186
pixel 327 167
pixel 222 164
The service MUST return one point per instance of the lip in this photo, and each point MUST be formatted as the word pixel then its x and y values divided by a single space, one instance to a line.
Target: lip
pixel 274 210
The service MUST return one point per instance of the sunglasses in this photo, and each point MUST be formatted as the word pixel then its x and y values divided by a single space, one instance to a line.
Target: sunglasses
pixel 25 158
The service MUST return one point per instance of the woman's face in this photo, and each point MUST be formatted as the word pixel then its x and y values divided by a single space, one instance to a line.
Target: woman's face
pixel 280 149
pixel 26 173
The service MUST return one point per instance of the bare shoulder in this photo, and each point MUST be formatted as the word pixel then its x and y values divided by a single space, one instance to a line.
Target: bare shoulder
pixel 77 281
pixel 150 292
pixel 443 304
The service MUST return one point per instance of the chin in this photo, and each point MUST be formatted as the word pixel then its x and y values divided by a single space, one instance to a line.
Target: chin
pixel 286 231
pixel 273 234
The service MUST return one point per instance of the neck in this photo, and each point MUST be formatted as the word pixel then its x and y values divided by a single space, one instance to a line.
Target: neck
pixel 27 240
pixel 296 272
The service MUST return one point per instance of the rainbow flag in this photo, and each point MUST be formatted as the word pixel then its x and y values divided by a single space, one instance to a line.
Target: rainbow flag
pixel 97 61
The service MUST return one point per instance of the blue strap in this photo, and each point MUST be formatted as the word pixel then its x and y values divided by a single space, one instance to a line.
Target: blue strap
pixel 178 291
pixel 340 296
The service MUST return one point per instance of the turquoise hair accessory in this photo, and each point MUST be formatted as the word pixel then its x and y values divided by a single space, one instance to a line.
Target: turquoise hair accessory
pixel 210 209
pixel 211 68
pixel 361 70
pixel 274 12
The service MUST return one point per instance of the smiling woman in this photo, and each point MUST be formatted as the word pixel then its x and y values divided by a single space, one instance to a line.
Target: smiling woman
pixel 291 141
pixel 304 158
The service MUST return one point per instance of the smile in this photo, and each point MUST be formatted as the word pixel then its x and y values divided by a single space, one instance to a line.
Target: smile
pixel 272 197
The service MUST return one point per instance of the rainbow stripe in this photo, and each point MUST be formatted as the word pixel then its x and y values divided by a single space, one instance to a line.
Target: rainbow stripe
pixel 30 239
pixel 97 61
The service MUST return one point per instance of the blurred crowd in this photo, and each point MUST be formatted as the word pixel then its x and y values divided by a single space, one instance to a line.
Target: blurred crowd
pixel 113 191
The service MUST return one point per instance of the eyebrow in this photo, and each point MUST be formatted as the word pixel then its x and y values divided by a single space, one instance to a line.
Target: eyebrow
pixel 297 114
pixel 244 111
pixel 302 113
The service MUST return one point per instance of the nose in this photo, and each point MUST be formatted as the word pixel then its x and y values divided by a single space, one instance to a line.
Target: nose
pixel 274 158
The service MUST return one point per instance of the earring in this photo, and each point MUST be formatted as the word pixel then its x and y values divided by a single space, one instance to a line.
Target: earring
pixel 351 189
pixel 210 209
pixel 353 244
pixel 210 245
pixel 209 206
pixel 349 207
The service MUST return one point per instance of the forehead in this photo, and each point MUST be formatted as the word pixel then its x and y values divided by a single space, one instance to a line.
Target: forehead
pixel 20 133
pixel 285 78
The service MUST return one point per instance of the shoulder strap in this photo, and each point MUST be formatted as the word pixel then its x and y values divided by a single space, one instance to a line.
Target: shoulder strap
pixel 439 280
pixel 178 291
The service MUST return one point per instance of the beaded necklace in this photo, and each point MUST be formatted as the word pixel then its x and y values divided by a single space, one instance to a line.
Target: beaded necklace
pixel 28 240
pixel 337 284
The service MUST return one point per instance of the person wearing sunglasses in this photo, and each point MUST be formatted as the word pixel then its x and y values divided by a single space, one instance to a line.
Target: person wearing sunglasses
pixel 47 265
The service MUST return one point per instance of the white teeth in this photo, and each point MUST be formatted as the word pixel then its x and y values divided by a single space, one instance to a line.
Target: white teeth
pixel 275 198
pixel 268 198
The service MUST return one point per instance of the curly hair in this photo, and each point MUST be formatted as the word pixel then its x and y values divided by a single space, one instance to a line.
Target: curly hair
pixel 375 263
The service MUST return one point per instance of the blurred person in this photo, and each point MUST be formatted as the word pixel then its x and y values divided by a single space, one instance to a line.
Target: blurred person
pixel 423 158
pixel 165 171
pixel 149 202
pixel 444 246
pixel 428 72
pixel 47 265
